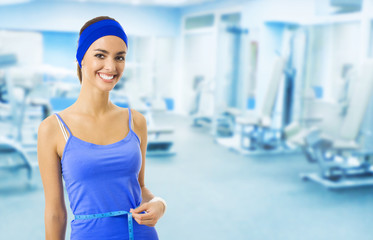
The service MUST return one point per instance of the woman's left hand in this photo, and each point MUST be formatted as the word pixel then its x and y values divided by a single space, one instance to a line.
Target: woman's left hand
pixel 154 211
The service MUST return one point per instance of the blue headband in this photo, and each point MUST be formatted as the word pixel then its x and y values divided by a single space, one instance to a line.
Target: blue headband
pixel 96 31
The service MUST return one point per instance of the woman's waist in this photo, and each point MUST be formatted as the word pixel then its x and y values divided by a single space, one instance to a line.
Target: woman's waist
pixel 103 204
pixel 111 228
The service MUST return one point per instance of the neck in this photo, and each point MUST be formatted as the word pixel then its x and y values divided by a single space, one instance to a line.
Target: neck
pixel 93 102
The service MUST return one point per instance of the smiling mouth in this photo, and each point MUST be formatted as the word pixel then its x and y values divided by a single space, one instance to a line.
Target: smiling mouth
pixel 107 77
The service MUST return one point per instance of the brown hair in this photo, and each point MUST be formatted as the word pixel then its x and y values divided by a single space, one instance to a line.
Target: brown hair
pixel 87 24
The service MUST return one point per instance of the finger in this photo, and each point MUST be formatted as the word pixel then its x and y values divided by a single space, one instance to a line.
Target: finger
pixel 140 208
pixel 139 220
pixel 146 222
pixel 143 216
pixel 139 214
pixel 146 216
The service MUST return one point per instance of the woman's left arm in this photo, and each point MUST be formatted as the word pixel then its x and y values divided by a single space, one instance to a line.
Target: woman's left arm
pixel 154 209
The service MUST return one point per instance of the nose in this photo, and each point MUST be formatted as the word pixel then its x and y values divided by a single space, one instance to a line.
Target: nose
pixel 110 65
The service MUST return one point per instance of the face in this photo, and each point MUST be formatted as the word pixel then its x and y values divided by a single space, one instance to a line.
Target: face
pixel 103 63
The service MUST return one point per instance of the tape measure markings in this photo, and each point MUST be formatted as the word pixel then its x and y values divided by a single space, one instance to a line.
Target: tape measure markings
pixel 111 214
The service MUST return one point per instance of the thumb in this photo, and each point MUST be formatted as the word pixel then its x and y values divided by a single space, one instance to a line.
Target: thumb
pixel 141 208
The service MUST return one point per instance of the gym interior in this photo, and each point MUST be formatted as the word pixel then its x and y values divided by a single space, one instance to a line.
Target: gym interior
pixel 259 112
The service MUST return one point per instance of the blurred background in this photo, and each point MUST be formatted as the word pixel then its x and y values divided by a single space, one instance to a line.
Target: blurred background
pixel 259 112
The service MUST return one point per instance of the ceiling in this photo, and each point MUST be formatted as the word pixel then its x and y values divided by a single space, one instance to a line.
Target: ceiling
pixel 169 3
pixel 165 3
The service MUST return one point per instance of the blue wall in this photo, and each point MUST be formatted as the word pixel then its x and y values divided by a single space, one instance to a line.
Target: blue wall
pixel 60 22
pixel 59 48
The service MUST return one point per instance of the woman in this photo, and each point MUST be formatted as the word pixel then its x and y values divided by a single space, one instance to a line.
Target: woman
pixel 99 150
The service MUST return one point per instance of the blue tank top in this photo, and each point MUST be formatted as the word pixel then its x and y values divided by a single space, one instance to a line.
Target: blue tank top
pixel 100 179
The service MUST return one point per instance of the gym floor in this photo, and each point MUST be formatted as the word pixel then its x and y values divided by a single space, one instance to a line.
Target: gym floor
pixel 215 193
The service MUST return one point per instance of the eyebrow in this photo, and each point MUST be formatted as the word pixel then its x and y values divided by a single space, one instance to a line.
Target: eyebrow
pixel 104 51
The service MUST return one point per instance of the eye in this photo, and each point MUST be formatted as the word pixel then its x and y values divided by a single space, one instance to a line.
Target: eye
pixel 120 58
pixel 99 55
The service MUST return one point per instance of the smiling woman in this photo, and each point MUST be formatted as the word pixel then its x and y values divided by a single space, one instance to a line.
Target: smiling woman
pixel 104 171
pixel 105 61
pixel 120 57
pixel 85 45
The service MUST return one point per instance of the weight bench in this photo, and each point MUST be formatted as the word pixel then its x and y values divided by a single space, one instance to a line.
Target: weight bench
pixel 261 135
pixel 342 161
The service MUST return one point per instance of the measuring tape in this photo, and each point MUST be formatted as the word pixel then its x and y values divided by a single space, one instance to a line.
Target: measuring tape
pixel 111 214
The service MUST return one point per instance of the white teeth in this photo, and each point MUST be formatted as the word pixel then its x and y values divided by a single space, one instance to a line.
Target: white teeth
pixel 106 77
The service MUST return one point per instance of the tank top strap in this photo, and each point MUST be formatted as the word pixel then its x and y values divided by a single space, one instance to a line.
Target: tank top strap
pixel 60 120
pixel 129 118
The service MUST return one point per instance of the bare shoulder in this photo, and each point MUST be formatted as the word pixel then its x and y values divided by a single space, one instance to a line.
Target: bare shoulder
pixel 47 128
pixel 139 123
pixel 47 137
pixel 138 118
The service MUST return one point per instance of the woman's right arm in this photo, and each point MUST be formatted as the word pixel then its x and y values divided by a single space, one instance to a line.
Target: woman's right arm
pixel 55 215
